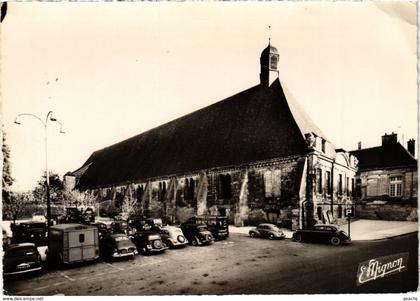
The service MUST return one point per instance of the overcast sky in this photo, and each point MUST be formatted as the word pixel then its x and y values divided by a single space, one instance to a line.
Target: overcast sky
pixel 113 70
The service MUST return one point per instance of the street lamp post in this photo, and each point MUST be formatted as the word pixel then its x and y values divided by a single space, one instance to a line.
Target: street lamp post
pixel 50 117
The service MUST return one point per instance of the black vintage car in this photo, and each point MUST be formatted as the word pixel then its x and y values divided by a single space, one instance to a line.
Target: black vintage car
pixel 102 229
pixel 217 225
pixel 148 242
pixel 21 259
pixel 78 216
pixel 34 232
pixel 322 233
pixel 197 234
pixel 117 246
pixel 122 227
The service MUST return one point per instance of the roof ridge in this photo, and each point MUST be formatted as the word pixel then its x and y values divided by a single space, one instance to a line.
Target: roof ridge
pixel 176 119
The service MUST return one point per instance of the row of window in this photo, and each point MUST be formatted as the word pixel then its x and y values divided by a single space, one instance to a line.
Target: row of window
pixel 343 185
pixel 272 187
pixel 224 188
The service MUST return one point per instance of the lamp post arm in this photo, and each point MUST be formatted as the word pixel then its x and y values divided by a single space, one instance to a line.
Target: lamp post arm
pixel 32 115
pixel 47 118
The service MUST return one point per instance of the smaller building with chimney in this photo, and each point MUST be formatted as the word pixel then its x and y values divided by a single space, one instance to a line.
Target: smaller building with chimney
pixel 386 181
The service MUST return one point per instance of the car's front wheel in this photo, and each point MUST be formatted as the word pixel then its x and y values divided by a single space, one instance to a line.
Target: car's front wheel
pixel 270 236
pixel 335 241
pixel 194 241
pixel 297 237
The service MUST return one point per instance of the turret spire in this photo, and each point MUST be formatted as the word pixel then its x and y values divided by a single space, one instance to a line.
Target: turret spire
pixel 268 62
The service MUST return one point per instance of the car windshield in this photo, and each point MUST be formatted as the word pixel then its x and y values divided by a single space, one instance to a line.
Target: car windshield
pixel 202 229
pixel 21 252
pixel 121 238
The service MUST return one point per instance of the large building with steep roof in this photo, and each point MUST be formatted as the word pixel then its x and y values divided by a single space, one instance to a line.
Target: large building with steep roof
pixel 254 156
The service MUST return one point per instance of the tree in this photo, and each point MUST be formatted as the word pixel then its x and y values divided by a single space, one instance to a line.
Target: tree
pixel 16 205
pixel 56 189
pixel 7 180
pixel 76 198
pixel 128 207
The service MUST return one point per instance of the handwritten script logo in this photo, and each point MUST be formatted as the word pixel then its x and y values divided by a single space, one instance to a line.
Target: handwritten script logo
pixel 380 267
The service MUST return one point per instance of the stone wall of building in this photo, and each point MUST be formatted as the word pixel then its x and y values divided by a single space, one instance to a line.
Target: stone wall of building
pixel 376 183
pixel 247 203
pixel 391 212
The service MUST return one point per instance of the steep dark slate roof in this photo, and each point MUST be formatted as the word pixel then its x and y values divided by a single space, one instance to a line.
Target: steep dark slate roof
pixel 384 157
pixel 253 125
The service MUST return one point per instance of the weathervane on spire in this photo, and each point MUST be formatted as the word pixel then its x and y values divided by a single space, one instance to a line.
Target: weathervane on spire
pixel 269 34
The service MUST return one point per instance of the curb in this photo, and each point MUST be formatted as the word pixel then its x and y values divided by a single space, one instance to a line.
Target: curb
pixel 353 240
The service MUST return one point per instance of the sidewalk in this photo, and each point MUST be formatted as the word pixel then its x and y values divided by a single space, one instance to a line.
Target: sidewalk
pixel 360 230
pixel 365 229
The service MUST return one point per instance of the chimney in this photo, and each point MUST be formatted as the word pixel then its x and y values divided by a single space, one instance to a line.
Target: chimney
pixel 359 145
pixel 411 147
pixel 389 139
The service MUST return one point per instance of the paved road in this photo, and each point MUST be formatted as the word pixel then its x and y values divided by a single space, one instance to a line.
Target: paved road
pixel 239 265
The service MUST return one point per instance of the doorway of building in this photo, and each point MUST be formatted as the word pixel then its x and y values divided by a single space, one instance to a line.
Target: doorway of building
pixel 272 217
pixel 319 212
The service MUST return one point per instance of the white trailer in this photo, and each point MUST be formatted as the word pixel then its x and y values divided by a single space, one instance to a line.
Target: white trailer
pixel 71 243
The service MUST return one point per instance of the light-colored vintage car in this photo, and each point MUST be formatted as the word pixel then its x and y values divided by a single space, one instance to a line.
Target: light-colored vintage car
pixel 173 236
pixel 267 230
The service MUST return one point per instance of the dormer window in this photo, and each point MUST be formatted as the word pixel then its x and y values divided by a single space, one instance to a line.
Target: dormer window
pixel 323 145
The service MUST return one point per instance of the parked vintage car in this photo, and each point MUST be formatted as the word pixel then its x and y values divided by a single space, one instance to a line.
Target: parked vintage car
pixel 31 231
pixel 38 217
pixel 7 240
pixel 173 237
pixel 21 258
pixel 148 242
pixel 137 223
pixel 77 215
pixel 122 227
pixel 117 246
pixel 322 233
pixel 197 234
pixel 266 230
pixel 217 225
pixel 102 229
pixel 146 224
